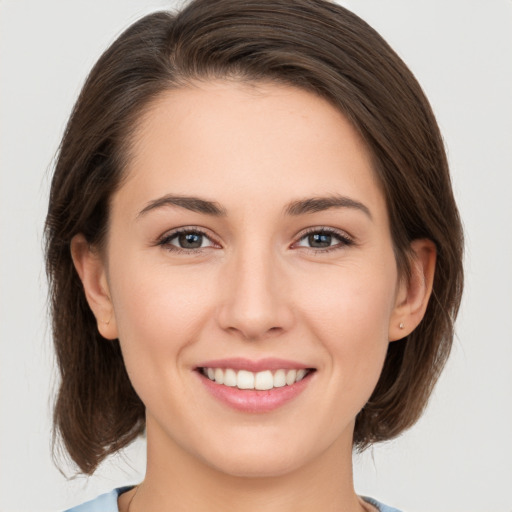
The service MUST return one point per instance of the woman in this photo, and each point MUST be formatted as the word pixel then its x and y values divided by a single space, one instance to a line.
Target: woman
pixel 254 254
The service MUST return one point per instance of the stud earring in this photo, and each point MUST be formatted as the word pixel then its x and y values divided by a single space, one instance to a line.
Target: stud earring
pixel 401 325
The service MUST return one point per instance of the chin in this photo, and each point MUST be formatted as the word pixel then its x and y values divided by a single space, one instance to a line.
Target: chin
pixel 263 458
pixel 260 466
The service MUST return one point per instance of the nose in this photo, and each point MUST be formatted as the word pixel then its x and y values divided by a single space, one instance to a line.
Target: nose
pixel 256 300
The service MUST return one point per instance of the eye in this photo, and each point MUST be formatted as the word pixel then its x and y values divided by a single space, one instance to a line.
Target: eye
pixel 186 240
pixel 324 239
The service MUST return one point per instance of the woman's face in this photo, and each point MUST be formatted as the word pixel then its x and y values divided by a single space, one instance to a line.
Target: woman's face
pixel 250 244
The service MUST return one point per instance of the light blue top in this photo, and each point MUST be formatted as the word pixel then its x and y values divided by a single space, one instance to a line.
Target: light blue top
pixel 104 503
pixel 108 503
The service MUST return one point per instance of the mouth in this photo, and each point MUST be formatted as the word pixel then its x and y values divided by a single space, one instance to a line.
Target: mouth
pixel 261 381
pixel 255 386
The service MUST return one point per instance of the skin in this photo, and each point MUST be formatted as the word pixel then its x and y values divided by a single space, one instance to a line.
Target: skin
pixel 257 288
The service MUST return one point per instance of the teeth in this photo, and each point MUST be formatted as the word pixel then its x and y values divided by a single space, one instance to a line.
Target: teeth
pixel 291 375
pixel 279 379
pixel 219 376
pixel 245 380
pixel 300 375
pixel 264 380
pixel 230 378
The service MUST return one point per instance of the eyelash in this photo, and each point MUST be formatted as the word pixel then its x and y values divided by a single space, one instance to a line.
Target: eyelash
pixel 165 241
pixel 342 237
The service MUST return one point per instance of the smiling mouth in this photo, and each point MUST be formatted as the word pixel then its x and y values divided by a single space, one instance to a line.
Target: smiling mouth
pixel 260 381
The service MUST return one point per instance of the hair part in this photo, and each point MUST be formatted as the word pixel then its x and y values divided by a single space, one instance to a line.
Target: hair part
pixel 314 45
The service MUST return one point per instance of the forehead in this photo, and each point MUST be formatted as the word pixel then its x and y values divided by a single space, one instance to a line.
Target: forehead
pixel 240 140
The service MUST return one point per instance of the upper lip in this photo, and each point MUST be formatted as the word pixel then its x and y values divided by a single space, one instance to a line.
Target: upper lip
pixel 240 363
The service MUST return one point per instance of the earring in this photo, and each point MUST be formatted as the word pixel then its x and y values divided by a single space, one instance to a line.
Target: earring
pixel 401 325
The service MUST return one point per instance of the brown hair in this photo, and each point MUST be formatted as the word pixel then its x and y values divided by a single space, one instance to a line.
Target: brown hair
pixel 311 44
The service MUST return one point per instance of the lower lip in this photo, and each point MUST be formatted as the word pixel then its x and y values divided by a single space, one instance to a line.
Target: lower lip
pixel 255 401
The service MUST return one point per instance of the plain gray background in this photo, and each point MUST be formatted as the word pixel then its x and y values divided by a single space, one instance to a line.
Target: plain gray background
pixel 458 457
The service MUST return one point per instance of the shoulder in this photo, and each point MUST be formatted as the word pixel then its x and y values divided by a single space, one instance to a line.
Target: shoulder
pixel 105 503
pixel 379 506
pixel 108 503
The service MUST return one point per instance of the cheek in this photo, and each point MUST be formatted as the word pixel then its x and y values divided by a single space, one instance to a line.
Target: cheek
pixel 351 297
pixel 159 313
pixel 350 316
pixel 159 309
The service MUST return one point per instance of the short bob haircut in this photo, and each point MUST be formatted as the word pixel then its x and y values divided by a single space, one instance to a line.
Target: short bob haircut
pixel 317 46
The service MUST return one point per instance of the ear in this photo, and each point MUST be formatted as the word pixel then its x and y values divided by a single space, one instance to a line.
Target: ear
pixel 91 269
pixel 413 294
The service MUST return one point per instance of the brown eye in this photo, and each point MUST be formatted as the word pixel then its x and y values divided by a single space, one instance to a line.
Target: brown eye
pixel 320 240
pixel 190 240
pixel 187 240
pixel 323 239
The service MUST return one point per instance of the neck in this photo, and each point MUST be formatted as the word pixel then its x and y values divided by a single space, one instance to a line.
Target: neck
pixel 178 481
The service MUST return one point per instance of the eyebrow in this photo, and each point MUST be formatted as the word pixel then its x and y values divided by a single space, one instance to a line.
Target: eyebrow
pixel 295 208
pixel 318 204
pixel 194 204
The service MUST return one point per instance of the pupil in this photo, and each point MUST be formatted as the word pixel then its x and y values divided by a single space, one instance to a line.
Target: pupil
pixel 190 240
pixel 320 240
